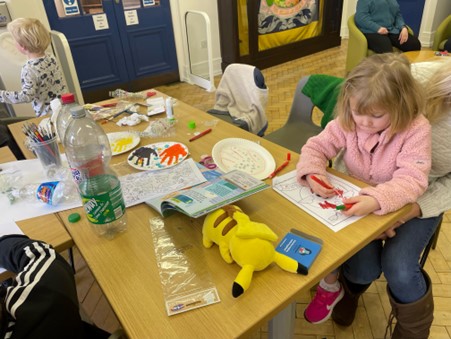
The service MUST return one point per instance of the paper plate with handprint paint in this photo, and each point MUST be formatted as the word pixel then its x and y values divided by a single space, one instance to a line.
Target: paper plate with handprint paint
pixel 158 156
pixel 122 142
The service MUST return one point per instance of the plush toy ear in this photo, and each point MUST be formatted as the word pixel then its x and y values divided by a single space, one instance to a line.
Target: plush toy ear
pixel 247 229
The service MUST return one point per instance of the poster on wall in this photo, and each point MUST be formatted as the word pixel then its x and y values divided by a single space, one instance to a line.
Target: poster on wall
pixel 71 7
pixel 147 3
pixel 100 22
pixel 281 22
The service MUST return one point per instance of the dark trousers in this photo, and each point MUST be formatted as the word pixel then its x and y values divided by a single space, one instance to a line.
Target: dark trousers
pixel 384 43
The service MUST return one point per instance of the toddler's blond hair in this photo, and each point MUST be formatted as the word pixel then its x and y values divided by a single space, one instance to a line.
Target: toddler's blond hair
pixel 30 33
pixel 381 82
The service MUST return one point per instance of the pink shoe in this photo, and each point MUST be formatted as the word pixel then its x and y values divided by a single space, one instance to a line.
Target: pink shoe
pixel 322 305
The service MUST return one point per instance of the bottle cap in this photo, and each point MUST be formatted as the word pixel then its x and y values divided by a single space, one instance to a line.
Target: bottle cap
pixel 67 98
pixel 74 217
pixel 191 124
pixel 77 112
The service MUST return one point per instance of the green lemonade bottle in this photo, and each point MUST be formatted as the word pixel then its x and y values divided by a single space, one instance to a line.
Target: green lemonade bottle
pixel 88 153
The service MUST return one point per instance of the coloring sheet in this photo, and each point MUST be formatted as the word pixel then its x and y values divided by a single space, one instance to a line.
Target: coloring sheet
pixel 142 186
pixel 318 207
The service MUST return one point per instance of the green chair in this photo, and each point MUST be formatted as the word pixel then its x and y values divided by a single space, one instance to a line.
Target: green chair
pixel 358 46
pixel 442 34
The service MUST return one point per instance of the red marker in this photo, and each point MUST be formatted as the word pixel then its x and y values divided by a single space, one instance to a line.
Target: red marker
pixel 201 134
pixel 319 181
pixel 281 167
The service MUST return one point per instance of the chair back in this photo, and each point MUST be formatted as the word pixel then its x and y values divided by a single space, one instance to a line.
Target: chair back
pixel 299 126
pixel 442 33
pixel 241 98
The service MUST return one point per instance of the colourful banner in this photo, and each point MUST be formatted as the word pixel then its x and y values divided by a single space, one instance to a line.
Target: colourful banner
pixel 281 22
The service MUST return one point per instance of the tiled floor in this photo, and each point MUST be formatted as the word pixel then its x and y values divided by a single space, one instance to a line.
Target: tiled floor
pixel 374 307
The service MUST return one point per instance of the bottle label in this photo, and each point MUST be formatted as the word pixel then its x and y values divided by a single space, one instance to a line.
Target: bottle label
pixel 104 208
pixel 45 191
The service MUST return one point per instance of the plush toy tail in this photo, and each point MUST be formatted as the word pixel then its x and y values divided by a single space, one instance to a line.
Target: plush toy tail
pixel 242 281
pixel 289 264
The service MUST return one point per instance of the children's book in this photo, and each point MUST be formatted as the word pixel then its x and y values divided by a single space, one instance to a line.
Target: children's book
pixel 300 246
pixel 217 191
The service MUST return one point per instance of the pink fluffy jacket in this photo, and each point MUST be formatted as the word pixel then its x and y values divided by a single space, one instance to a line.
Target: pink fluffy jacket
pixel 396 168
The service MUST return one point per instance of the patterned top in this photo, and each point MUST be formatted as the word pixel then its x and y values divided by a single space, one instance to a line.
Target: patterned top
pixel 42 81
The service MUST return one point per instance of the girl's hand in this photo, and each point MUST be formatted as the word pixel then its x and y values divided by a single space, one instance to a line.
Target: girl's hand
pixel 324 190
pixel 403 36
pixel 362 205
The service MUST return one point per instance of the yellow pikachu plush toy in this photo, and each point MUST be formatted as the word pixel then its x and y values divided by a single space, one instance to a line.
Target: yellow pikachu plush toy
pixel 248 243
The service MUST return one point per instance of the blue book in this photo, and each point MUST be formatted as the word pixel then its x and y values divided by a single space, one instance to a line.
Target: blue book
pixel 300 246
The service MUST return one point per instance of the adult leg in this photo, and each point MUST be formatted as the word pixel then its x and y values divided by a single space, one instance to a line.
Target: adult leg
pixel 409 287
pixel 356 276
pixel 412 43
pixel 379 43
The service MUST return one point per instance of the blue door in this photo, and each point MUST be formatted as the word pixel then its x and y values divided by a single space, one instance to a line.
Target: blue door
pixel 412 12
pixel 126 44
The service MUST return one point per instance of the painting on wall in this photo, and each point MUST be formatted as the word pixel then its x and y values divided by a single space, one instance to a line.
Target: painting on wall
pixel 281 22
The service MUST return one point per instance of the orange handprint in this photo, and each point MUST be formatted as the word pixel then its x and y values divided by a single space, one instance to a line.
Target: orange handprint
pixel 172 153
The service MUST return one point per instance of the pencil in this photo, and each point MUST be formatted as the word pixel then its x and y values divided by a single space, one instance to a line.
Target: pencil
pixel 201 134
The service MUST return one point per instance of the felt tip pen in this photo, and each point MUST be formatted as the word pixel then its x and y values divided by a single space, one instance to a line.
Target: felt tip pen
pixel 201 134
pixel 344 207
pixel 319 181
pixel 281 167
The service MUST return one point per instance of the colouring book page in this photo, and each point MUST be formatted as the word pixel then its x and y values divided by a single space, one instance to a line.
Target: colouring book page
pixel 318 207
pixel 142 186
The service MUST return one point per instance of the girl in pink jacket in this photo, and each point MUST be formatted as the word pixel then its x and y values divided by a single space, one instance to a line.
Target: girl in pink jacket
pixel 379 136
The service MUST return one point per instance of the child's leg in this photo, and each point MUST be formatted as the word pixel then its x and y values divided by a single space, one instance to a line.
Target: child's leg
pixel 330 282
pixel 328 294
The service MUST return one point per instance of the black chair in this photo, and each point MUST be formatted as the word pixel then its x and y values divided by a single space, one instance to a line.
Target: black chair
pixel 6 138
pixel 432 243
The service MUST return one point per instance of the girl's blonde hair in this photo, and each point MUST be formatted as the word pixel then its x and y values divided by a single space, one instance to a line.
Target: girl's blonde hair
pixel 381 82
pixel 30 33
pixel 438 94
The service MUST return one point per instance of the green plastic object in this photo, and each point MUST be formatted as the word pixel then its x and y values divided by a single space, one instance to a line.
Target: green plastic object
pixel 74 217
pixel 192 124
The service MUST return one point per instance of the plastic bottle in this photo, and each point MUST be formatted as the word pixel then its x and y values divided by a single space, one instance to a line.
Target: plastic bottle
pixel 122 94
pixel 51 192
pixel 88 153
pixel 64 117
pixel 169 106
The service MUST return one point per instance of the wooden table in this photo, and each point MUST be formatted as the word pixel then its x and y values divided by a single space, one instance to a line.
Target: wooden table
pixel 420 56
pixel 47 228
pixel 127 272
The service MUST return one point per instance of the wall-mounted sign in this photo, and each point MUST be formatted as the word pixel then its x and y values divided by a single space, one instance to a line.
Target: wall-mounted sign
pixel 71 7
pixel 148 3
pixel 131 17
pixel 100 21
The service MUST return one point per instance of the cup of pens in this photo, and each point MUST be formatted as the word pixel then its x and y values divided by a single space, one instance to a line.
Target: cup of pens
pixel 43 142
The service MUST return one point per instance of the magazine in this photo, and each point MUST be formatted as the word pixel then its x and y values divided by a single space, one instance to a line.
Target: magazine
pixel 217 191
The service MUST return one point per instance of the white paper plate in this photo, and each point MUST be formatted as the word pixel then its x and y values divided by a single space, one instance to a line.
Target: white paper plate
pixel 122 142
pixel 245 155
pixel 158 156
